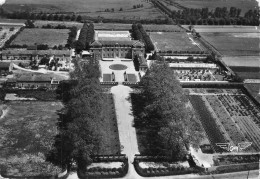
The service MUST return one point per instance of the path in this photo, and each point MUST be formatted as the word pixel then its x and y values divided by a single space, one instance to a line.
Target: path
pixel 127 133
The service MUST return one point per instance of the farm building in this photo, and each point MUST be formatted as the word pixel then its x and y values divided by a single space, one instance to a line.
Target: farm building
pixel 17 54
pixel 34 81
pixel 115 44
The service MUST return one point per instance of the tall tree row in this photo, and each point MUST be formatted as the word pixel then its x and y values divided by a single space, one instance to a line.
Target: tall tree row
pixel 78 137
pixel 86 37
pixel 172 124
pixel 139 33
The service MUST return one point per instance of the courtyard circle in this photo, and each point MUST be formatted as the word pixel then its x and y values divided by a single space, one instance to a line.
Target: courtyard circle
pixel 118 67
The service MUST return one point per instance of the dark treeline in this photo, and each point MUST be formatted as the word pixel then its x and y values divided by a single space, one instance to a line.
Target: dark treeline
pixel 139 33
pixel 161 111
pixel 86 37
pixel 72 37
pixel 40 16
pixel 219 16
pixel 78 137
pixel 78 18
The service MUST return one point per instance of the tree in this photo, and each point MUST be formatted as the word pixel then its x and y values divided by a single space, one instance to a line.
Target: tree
pixel 172 124
pixel 79 46
pixel 79 18
pixel 29 24
pixel 136 63
pixel 44 61
pixel 121 9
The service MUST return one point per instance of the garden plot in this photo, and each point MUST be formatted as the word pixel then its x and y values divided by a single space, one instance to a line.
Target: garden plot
pixel 173 41
pixel 231 116
pixel 6 33
pixel 50 37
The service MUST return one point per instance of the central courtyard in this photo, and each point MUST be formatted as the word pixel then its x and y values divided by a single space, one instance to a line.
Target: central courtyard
pixel 118 70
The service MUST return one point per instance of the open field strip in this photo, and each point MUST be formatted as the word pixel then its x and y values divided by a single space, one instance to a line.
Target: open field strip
pixel 51 38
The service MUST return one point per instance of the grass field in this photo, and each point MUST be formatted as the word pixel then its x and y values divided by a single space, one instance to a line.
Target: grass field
pixel 39 23
pixel 51 37
pixel 234 44
pixel 165 41
pixel 244 5
pixel 27 133
pixel 225 28
pixel 245 72
pixel 244 61
pixel 91 8
pixel 254 90
pixel 109 144
pixel 147 27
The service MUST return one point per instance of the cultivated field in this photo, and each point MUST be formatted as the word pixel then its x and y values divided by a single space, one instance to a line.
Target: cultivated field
pixel 234 44
pixel 165 41
pixel 50 37
pixel 91 8
pixel 6 32
pixel 27 134
pixel 227 115
pixel 244 5
pixel 225 28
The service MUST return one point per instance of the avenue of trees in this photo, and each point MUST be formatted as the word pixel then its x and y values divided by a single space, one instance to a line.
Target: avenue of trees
pixel 138 33
pixel 86 37
pixel 170 125
pixel 219 16
pixel 78 137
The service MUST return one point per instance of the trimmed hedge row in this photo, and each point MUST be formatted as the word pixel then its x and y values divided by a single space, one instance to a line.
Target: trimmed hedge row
pixel 109 158
pixel 98 172
pixel 109 83
pixel 108 172
pixel 150 172
pixel 130 83
pixel 237 168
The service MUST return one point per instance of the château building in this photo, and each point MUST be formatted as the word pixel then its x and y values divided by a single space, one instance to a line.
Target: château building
pixel 115 44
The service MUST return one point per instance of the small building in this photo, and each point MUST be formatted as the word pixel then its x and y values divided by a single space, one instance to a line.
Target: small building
pixel 23 54
pixel 34 81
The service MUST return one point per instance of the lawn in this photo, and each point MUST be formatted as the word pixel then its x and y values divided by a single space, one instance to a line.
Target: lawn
pixel 244 5
pixel 112 26
pixel 165 41
pixel 90 8
pixel 234 44
pixel 162 28
pixel 109 144
pixel 107 77
pixel 51 37
pixel 27 134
